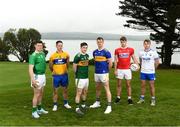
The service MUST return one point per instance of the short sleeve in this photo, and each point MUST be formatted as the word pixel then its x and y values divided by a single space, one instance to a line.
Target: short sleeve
pixel 93 53
pixel 87 56
pixel 68 56
pixel 51 58
pixel 76 59
pixel 115 52
pixel 140 56
pixel 132 51
pixel 156 56
pixel 32 59
pixel 108 54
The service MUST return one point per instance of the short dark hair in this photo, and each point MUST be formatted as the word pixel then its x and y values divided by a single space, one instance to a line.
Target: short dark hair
pixel 83 44
pixel 147 40
pixel 59 41
pixel 100 38
pixel 123 38
pixel 38 42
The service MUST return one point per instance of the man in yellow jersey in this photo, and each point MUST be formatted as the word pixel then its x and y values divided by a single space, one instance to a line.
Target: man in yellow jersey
pixel 58 65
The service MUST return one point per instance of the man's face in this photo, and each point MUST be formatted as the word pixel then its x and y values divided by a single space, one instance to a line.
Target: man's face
pixel 39 47
pixel 123 43
pixel 59 46
pixel 146 45
pixel 100 43
pixel 84 49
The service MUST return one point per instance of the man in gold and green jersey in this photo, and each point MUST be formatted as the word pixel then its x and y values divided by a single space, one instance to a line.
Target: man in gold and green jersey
pixel 58 65
pixel 80 66
pixel 37 68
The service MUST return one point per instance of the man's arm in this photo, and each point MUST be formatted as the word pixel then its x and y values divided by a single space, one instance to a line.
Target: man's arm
pixel 51 66
pixel 135 59
pixel 115 64
pixel 75 67
pixel 31 74
pixel 109 63
pixel 156 63
pixel 67 64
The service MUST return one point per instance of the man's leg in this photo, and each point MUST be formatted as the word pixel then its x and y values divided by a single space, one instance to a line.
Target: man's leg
pixel 118 89
pixel 84 96
pixel 55 98
pixel 35 102
pixel 108 95
pixel 39 106
pixel 108 92
pixel 128 87
pixel 143 90
pixel 98 93
pixel 77 100
pixel 152 91
pixel 65 96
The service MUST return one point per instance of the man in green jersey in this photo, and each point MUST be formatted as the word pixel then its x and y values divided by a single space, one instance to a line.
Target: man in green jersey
pixel 37 68
pixel 80 66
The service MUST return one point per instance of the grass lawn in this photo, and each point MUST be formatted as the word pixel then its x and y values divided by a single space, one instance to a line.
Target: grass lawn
pixel 16 96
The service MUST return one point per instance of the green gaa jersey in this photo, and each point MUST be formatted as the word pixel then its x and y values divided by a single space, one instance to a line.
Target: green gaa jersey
pixel 82 61
pixel 38 60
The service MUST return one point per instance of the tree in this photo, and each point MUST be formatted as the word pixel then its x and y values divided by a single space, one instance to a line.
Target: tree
pixel 22 42
pixel 4 51
pixel 158 16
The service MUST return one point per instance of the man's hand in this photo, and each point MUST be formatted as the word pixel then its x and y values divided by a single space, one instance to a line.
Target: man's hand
pixel 34 83
pixel 115 72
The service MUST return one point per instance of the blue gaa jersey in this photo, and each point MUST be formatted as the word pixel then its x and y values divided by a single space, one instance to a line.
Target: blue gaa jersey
pixel 101 63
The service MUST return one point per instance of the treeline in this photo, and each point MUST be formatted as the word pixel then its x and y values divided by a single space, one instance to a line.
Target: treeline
pixel 19 43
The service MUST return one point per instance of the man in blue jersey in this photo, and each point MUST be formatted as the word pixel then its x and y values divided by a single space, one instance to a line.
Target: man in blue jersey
pixel 103 63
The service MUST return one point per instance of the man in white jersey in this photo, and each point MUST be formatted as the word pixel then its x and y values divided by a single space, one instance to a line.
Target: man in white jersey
pixel 149 61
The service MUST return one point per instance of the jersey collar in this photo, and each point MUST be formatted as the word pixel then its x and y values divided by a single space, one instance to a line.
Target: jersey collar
pixel 147 50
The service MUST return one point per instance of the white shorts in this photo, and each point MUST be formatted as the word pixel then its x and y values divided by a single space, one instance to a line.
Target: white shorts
pixel 41 81
pixel 103 78
pixel 82 83
pixel 124 73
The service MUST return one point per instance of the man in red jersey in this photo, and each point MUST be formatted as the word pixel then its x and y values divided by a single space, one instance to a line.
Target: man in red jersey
pixel 122 63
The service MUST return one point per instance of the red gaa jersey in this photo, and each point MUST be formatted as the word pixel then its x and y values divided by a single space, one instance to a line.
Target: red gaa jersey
pixel 124 57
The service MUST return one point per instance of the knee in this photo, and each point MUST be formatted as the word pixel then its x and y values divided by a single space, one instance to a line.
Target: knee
pixel 55 93
pixel 128 85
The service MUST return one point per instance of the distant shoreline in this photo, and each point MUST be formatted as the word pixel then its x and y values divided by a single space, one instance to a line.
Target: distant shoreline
pixel 87 36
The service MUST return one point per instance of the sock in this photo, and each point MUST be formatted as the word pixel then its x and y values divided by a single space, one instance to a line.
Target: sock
pixel 142 97
pixel 65 102
pixel 77 106
pixel 39 106
pixel 98 99
pixel 118 97
pixel 129 97
pixel 83 102
pixel 109 103
pixel 153 98
pixel 34 109
pixel 55 103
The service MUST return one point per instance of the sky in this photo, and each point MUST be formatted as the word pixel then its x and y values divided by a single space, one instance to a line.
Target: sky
pixel 96 16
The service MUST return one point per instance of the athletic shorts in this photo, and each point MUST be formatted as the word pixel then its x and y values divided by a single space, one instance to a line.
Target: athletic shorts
pixel 82 83
pixel 145 76
pixel 60 80
pixel 41 80
pixel 103 78
pixel 124 73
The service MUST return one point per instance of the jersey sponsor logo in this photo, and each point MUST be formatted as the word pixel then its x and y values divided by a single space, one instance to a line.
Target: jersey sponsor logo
pixel 146 58
pixel 124 55
pixel 59 61
pixel 83 63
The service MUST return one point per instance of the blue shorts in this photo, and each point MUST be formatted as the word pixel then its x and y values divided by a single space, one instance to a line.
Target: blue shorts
pixel 144 76
pixel 60 80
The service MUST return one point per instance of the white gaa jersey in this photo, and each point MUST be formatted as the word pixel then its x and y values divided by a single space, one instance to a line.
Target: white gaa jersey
pixel 148 61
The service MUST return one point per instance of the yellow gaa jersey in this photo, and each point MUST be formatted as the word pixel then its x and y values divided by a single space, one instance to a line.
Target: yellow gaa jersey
pixel 59 61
